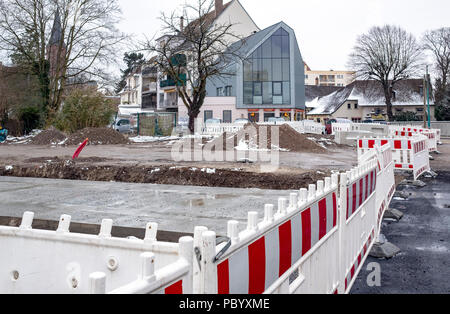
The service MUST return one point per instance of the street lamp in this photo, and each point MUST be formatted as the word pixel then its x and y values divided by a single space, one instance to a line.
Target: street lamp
pixel 427 81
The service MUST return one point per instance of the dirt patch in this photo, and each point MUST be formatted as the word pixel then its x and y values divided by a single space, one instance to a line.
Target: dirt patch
pixel 49 137
pixel 97 136
pixel 257 137
pixel 68 169
pixel 59 159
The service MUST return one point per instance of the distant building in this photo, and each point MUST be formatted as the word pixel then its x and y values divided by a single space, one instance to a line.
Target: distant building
pixel 56 48
pixel 328 78
pixel 363 100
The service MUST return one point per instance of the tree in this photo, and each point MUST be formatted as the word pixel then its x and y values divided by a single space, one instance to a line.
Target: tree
pixel 82 40
pixel 443 105
pixel 84 107
pixel 190 55
pixel 388 55
pixel 438 43
pixel 131 60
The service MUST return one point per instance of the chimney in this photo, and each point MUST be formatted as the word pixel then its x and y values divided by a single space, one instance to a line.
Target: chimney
pixel 182 24
pixel 219 7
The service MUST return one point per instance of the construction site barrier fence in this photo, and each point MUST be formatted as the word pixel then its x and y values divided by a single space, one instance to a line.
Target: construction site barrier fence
pixel 315 242
pixel 409 154
pixel 61 262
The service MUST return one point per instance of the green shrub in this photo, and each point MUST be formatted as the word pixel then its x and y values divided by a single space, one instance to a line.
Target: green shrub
pixel 406 116
pixel 30 117
pixel 84 108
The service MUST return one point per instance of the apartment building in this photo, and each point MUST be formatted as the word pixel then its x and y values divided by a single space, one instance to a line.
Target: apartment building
pixel 149 90
pixel 328 78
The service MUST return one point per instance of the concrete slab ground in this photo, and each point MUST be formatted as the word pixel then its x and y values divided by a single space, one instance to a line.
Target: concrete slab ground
pixel 423 235
pixel 174 208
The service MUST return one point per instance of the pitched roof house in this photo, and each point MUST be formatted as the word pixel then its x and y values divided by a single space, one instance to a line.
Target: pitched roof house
pixel 365 99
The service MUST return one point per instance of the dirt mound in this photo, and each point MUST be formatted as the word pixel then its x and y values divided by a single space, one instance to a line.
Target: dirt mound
pixel 77 170
pixel 97 136
pixel 249 139
pixel 49 137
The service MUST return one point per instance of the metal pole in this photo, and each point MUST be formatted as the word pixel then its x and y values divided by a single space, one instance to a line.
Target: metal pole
pixel 428 99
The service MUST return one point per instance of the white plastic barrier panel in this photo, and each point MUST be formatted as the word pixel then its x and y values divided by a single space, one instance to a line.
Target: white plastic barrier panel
pixel 410 154
pixel 385 177
pixel 316 244
pixel 300 238
pixel 338 127
pixel 358 223
pixel 61 262
pixel 430 134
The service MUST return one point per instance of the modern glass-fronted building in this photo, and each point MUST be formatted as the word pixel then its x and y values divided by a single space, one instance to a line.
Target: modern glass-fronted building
pixel 267 80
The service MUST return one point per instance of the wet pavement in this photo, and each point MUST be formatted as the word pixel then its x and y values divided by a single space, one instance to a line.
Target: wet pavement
pixel 174 208
pixel 423 235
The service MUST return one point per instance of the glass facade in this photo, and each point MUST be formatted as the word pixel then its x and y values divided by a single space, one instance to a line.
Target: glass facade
pixel 267 75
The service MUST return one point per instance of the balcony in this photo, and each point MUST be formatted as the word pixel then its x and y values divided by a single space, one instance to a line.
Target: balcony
pixel 149 88
pixel 171 82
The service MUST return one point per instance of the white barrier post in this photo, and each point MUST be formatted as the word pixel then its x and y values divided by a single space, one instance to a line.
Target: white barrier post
pixel 209 268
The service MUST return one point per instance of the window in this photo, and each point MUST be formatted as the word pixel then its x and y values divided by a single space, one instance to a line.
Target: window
pixel 220 92
pixel 226 116
pixel 349 106
pixel 253 117
pixel 228 91
pixel 267 72
pixel 419 109
pixel 208 115
pixel 356 106
pixel 306 76
pixel 267 116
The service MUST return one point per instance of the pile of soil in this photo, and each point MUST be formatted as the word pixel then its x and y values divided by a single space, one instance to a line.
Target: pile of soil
pixel 49 137
pixel 84 170
pixel 289 139
pixel 97 136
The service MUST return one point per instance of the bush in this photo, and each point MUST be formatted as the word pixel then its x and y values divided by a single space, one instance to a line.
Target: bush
pixel 84 108
pixel 406 116
pixel 30 117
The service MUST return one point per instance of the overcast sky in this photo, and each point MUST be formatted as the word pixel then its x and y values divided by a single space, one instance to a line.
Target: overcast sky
pixel 326 30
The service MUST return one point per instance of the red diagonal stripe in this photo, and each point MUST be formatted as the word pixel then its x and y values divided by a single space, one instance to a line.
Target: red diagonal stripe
pixel 335 209
pixel 306 231
pixel 223 277
pixel 176 288
pixel 322 218
pixel 285 236
pixel 257 267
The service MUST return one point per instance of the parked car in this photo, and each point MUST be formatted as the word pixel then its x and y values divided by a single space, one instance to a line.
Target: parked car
pixel 329 124
pixel 122 126
pixel 242 121
pixel 213 121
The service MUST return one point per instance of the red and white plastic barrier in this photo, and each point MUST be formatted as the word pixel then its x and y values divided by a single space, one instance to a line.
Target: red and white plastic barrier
pixel 410 154
pixel 62 262
pixel 314 239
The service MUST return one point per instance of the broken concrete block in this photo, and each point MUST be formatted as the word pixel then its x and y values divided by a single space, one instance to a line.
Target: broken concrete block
pixel 385 250
pixel 393 213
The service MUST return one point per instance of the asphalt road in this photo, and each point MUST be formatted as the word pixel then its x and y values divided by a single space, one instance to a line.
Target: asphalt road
pixel 423 235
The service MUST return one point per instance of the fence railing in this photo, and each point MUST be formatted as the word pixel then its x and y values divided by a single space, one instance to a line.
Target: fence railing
pixel 303 127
